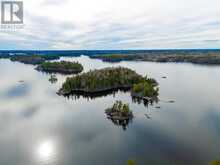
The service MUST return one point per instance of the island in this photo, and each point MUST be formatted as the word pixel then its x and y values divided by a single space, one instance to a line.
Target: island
pixel 110 79
pixel 33 59
pixel 101 80
pixel 64 67
pixel 119 111
pixel 120 114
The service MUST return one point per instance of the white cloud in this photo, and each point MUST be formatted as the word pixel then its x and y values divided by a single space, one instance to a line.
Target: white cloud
pixel 117 24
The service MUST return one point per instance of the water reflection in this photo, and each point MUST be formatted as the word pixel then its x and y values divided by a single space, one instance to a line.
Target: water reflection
pixel 18 90
pixel 92 96
pixel 46 151
pixel 53 79
pixel 145 102
pixel 121 123
pixel 184 133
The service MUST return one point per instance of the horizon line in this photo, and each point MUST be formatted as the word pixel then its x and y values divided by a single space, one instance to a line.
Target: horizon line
pixel 165 49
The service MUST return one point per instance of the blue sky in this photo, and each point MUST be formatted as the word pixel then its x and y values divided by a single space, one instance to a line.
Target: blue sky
pixel 116 24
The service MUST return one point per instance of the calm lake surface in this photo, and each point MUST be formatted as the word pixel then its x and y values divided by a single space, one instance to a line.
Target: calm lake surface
pixel 38 127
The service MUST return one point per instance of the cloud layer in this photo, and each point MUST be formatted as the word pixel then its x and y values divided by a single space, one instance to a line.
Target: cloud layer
pixel 116 24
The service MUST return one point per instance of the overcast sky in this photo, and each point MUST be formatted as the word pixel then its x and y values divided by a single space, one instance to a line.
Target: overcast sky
pixel 116 24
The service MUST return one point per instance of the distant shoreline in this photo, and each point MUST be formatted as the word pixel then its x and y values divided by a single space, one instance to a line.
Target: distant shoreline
pixel 195 56
pixel 209 58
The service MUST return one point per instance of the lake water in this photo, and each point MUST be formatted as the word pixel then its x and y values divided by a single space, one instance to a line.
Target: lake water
pixel 38 127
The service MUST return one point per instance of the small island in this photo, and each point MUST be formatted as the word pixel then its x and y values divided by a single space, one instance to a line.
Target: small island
pixel 64 67
pixel 119 111
pixel 101 80
pixel 120 114
pixel 111 79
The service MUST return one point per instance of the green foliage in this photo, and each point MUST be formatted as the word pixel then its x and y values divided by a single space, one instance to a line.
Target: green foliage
pixel 62 66
pixel 146 88
pixel 137 87
pixel 131 162
pixel 215 162
pixel 50 57
pixel 151 81
pixel 120 108
pixel 197 57
pixel 103 79
pixel 32 59
pixel 113 57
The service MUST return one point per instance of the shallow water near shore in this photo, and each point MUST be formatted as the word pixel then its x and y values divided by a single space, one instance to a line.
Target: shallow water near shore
pixel 39 127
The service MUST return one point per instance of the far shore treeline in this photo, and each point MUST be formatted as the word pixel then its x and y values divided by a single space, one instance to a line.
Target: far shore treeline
pixel 196 56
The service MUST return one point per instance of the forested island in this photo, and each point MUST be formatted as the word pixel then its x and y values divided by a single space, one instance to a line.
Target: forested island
pixel 120 114
pixel 101 80
pixel 119 111
pixel 64 67
pixel 108 79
